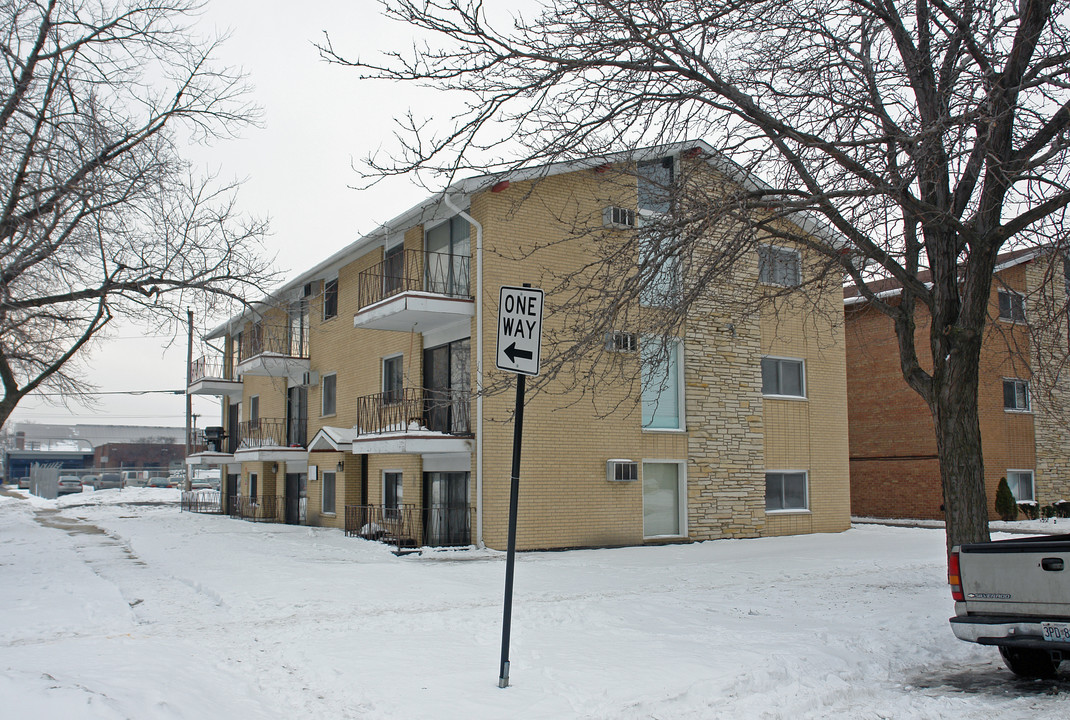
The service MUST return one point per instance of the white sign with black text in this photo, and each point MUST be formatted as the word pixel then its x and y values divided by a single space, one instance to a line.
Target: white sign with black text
pixel 519 330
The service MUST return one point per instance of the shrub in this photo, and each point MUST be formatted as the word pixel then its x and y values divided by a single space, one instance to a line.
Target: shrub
pixel 1006 507
pixel 1048 511
pixel 1029 509
pixel 1062 509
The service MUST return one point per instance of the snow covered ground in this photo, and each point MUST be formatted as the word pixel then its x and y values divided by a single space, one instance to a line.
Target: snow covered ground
pixel 117 605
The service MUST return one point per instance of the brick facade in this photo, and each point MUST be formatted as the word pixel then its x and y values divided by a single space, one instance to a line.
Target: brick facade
pixel 732 434
pixel 894 468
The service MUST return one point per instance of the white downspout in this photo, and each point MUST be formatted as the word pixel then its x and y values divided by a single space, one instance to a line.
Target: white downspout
pixel 479 366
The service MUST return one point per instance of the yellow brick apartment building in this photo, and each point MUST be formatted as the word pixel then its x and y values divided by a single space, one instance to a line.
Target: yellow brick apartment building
pixel 364 395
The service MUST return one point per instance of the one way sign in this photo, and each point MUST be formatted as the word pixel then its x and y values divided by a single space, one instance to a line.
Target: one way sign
pixel 519 330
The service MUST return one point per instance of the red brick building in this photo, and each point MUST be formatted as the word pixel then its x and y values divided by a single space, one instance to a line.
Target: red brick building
pixel 1024 435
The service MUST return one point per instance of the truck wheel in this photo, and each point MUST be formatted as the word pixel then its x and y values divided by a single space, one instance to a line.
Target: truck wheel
pixel 1028 663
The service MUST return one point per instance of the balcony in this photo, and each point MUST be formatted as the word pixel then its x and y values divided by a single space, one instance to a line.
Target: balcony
pixel 415 290
pixel 414 420
pixel 270 440
pixel 261 508
pixel 408 526
pixel 275 351
pixel 208 377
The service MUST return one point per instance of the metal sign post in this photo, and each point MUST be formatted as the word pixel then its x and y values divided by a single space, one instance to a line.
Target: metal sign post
pixel 519 351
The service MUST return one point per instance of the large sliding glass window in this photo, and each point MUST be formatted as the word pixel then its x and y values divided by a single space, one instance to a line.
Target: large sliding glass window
pixel 662 378
pixel 663 499
pixel 448 250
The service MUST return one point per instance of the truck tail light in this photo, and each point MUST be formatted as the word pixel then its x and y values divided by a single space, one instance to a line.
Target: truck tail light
pixel 953 578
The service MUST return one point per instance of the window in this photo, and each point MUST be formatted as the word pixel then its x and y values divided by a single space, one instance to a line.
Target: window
pixel 330 299
pixel 1066 275
pixel 393 270
pixel 617 341
pixel 448 249
pixel 392 491
pixel 663 511
pixel 785 491
pixel 778 266
pixel 393 380
pixel 661 375
pixel 254 411
pixel 1011 306
pixel 659 268
pixel 328 493
pixel 655 179
pixel 329 391
pixel 252 486
pixel 783 376
pixel 236 355
pixel 1016 395
pixel 1021 484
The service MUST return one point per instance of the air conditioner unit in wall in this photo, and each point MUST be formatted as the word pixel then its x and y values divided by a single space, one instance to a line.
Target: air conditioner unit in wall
pixel 311 378
pixel 618 217
pixel 618 470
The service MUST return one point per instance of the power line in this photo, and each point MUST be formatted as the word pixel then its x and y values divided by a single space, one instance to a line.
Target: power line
pixel 109 392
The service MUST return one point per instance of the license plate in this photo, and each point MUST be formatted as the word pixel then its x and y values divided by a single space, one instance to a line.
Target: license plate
pixel 1055 632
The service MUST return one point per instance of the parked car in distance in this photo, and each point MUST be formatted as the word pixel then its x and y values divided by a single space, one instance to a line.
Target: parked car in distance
pixel 90 481
pixel 109 481
pixel 134 478
pixel 68 484
pixel 160 482
pixel 24 483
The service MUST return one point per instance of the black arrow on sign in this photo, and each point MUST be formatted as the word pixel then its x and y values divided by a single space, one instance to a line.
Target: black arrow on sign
pixel 512 353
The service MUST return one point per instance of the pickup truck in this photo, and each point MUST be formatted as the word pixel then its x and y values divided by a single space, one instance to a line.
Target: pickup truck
pixel 1015 594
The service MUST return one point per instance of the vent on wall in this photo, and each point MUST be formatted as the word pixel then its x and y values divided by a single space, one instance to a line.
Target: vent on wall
pixel 622 470
pixel 617 341
pixel 618 217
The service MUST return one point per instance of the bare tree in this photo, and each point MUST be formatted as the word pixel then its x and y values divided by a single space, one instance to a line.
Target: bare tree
pixel 100 215
pixel 930 135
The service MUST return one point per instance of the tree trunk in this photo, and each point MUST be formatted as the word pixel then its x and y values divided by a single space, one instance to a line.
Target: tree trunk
pixel 962 472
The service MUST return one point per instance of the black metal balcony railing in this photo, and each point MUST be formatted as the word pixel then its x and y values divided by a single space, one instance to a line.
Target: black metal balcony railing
pixel 415 271
pixel 209 502
pixel 410 526
pixel 204 368
pixel 270 432
pixel 273 339
pixel 415 409
pixel 261 508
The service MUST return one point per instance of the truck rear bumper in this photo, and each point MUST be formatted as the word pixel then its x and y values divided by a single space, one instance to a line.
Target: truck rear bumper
pixel 1012 632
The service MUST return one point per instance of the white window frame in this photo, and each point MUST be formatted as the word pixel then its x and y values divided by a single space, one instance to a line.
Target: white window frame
pixel 1013 294
pixel 681 480
pixel 780 249
pixel 323 395
pixel 1028 396
pixel 1014 488
pixel 681 418
pixel 254 404
pixel 334 492
pixel 780 396
pixel 806 491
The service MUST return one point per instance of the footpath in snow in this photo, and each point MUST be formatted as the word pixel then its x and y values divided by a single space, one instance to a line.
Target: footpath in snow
pixel 118 605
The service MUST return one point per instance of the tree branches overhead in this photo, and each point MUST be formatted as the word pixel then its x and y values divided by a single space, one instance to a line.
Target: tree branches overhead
pixel 100 214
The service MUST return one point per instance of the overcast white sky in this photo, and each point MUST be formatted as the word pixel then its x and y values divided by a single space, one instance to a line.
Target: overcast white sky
pixel 318 120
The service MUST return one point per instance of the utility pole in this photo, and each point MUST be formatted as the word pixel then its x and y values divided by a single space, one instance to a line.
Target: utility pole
pixel 189 398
